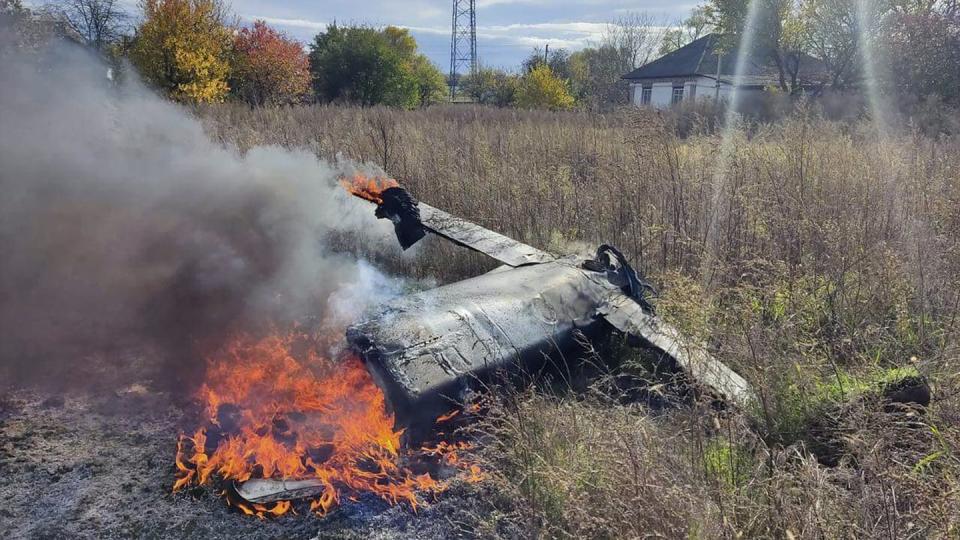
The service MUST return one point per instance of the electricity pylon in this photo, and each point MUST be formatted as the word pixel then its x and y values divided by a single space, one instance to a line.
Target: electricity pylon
pixel 463 42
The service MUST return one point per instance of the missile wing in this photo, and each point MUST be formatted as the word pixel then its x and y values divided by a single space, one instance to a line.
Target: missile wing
pixel 462 232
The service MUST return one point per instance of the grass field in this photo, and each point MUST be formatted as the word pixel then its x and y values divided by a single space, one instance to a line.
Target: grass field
pixel 822 265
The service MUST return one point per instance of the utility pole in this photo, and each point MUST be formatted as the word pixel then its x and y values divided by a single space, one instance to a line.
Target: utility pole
pixel 716 91
pixel 463 42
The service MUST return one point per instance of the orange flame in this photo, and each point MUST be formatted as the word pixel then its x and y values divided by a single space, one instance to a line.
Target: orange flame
pixel 276 408
pixel 369 188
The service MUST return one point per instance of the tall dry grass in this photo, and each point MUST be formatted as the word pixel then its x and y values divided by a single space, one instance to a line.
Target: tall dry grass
pixel 836 263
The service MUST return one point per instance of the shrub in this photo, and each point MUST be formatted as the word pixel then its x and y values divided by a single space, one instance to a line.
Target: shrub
pixel 541 89
pixel 368 67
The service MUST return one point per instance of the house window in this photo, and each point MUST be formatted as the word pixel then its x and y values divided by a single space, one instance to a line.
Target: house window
pixel 645 94
pixel 677 94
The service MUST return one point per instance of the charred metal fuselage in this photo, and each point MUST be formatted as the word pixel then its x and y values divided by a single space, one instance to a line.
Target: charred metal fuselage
pixel 427 348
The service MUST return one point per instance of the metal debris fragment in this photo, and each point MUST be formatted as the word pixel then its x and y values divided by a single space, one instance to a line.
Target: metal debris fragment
pixel 263 491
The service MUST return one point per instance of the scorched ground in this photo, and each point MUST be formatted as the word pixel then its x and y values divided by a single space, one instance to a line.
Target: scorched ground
pixel 98 463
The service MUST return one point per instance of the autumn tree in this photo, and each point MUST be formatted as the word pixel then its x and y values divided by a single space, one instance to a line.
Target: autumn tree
pixel 183 48
pixel 915 42
pixel 368 66
pixel 922 45
pixel 541 89
pixel 780 33
pixel 19 30
pixel 268 68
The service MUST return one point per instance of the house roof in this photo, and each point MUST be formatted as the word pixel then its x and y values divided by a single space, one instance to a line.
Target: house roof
pixel 699 58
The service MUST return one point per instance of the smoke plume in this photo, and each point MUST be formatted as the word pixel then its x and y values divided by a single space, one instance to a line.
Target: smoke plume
pixel 119 218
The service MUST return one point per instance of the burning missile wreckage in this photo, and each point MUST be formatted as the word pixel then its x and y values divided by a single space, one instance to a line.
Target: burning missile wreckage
pixel 418 356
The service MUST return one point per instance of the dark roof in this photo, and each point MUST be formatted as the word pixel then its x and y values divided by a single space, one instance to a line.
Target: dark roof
pixel 700 58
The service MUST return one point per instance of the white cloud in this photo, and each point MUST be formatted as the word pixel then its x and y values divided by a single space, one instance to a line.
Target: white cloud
pixel 573 27
pixel 290 23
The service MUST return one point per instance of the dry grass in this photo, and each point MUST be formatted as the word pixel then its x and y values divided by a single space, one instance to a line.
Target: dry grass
pixel 836 257
pixel 594 469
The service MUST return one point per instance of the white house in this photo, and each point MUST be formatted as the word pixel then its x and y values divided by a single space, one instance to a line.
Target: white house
pixel 697 71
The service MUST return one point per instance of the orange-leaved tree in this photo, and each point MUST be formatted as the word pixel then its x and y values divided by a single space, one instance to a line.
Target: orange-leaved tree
pixel 268 67
pixel 183 48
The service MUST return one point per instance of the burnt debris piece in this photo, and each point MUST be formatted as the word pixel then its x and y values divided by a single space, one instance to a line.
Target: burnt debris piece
pixel 264 491
pixel 401 208
pixel 426 349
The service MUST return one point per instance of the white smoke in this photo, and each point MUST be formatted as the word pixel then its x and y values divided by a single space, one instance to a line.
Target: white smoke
pixel 118 215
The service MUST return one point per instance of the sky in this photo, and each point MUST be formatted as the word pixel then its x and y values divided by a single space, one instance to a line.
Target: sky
pixel 507 30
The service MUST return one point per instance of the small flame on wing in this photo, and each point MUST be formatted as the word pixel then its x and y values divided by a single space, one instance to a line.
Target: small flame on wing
pixel 369 188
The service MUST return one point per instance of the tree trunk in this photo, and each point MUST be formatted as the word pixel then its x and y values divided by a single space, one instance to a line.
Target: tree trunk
pixel 778 60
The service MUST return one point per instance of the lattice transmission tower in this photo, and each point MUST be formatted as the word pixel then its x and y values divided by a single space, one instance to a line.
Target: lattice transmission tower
pixel 463 42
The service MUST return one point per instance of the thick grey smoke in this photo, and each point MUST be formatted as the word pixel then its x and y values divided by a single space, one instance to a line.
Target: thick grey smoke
pixel 119 218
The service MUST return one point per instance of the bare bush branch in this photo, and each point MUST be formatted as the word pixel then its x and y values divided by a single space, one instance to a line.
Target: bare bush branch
pixel 636 35
pixel 99 22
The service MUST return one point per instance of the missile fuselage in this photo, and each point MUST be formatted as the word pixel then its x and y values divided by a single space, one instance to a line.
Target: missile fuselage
pixel 427 348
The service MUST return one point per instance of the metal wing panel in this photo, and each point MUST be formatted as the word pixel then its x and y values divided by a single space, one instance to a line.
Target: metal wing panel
pixel 475 237
pixel 627 316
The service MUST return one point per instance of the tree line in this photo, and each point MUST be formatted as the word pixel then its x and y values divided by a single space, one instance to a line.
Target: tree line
pixel 914 44
pixel 589 78
pixel 195 50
